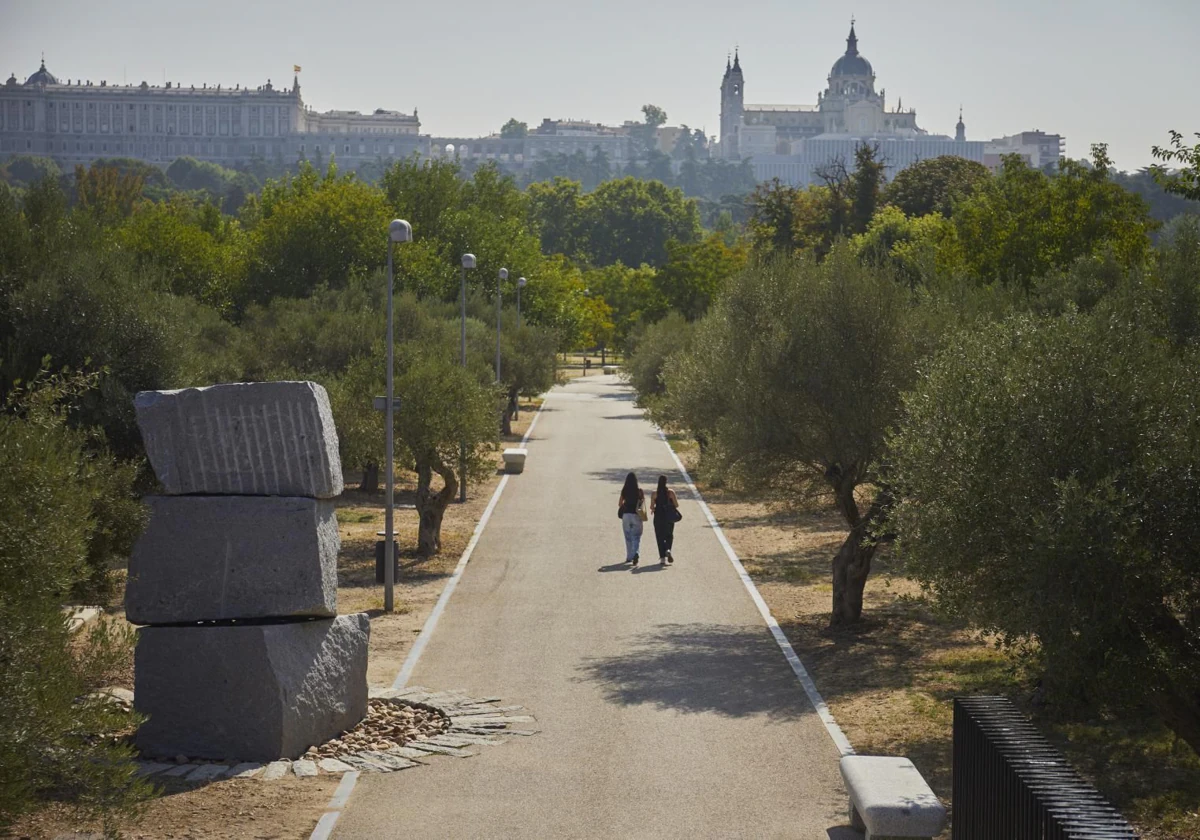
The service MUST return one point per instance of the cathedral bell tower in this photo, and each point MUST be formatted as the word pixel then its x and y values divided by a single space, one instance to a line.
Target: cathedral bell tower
pixel 732 96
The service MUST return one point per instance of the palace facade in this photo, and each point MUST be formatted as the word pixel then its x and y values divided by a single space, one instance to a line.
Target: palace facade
pixel 77 122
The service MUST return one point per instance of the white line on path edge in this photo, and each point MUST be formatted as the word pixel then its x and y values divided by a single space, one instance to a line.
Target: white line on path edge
pixel 818 702
pixel 342 795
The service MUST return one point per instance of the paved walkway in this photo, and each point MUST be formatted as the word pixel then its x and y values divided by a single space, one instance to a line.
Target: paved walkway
pixel 666 708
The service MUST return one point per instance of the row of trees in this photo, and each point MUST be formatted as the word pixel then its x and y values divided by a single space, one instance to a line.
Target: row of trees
pixel 995 373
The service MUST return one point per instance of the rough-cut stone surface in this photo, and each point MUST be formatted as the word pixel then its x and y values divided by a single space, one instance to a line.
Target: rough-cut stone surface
pixel 254 439
pixel 206 558
pixel 250 692
pixel 890 797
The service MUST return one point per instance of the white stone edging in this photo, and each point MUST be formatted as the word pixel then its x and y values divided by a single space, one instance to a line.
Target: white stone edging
pixel 818 702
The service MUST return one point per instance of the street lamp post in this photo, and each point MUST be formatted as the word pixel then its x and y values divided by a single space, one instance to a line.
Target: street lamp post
pixel 468 261
pixel 398 231
pixel 521 281
pixel 499 291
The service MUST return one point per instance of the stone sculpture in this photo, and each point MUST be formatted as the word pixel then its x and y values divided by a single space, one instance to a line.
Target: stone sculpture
pixel 236 574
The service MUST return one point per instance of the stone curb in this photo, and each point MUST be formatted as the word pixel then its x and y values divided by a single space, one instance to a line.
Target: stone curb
pixel 474 722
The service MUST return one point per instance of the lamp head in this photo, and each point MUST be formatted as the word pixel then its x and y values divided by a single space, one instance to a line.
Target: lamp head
pixel 504 274
pixel 521 281
pixel 468 260
pixel 399 231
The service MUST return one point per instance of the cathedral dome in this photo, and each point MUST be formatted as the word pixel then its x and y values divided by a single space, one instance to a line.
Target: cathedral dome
pixel 851 64
pixel 42 76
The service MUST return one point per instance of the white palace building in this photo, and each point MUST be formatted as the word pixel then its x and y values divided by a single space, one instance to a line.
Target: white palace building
pixel 77 122
pixel 790 142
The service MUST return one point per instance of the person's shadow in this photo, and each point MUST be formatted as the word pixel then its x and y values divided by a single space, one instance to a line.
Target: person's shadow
pixel 615 567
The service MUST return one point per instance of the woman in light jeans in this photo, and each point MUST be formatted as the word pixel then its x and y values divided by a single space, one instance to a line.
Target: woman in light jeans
pixel 629 507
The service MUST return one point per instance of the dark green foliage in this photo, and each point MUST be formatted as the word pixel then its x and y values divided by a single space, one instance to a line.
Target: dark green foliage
pixel 26 170
pixel 1048 472
pixel 514 129
pixel 1184 180
pixel 66 511
pixel 794 379
pixel 934 185
pixel 92 312
pixel 650 350
pixel 314 230
pixel 1023 224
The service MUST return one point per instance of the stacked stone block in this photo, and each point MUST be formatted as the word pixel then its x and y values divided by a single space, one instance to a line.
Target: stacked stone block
pixel 244 656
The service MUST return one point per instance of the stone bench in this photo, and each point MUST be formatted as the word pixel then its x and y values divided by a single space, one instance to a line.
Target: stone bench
pixel 610 370
pixel 889 798
pixel 514 460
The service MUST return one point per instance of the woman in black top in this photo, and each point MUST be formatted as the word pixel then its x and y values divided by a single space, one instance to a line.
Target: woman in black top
pixel 665 507
pixel 630 508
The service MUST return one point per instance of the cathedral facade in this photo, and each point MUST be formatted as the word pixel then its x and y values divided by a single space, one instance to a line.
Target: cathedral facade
pixel 75 122
pixel 789 141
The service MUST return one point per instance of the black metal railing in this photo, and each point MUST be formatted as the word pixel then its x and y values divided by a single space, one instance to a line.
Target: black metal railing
pixel 1011 784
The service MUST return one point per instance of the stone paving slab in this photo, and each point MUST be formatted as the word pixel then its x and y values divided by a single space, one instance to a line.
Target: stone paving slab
pixel 245 770
pixel 333 765
pixel 304 769
pixel 207 772
pixel 149 768
pixel 392 762
pixel 276 770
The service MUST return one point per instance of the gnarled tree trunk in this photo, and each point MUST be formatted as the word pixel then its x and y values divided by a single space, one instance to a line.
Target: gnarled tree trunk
pixel 431 506
pixel 510 411
pixel 852 563
pixel 370 478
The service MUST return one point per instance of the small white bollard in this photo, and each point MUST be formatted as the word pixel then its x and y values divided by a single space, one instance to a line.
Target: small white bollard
pixel 514 460
pixel 889 798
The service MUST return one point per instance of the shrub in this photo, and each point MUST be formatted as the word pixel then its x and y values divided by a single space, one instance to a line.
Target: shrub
pixel 63 508
pixel 1048 472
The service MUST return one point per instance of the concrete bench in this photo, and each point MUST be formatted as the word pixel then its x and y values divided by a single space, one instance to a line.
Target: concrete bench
pixel 889 798
pixel 610 370
pixel 514 460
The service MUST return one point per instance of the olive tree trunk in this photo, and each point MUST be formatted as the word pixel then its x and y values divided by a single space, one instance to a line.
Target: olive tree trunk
pixel 852 563
pixel 510 411
pixel 370 478
pixel 431 506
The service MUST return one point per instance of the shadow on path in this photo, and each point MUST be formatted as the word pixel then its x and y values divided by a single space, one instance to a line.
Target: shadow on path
pixel 647 476
pixel 734 671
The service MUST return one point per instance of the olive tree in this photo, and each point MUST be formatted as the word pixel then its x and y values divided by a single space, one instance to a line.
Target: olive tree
pixel 1048 478
pixel 442 407
pixel 794 379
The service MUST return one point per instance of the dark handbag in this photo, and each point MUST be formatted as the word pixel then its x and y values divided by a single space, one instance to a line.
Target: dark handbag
pixel 676 515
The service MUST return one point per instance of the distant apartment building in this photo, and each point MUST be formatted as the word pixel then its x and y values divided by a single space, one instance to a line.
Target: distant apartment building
pixel 1036 148
pixel 77 122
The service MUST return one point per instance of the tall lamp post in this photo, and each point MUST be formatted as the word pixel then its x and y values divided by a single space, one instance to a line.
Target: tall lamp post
pixel 499 291
pixel 521 281
pixel 398 231
pixel 468 261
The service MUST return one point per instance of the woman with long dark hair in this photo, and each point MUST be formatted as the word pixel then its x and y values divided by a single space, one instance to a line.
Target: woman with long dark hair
pixel 631 508
pixel 665 507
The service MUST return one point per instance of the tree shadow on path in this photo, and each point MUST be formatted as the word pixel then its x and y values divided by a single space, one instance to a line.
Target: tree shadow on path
pixel 730 670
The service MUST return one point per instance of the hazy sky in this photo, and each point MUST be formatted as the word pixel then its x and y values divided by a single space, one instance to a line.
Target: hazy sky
pixel 1115 71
